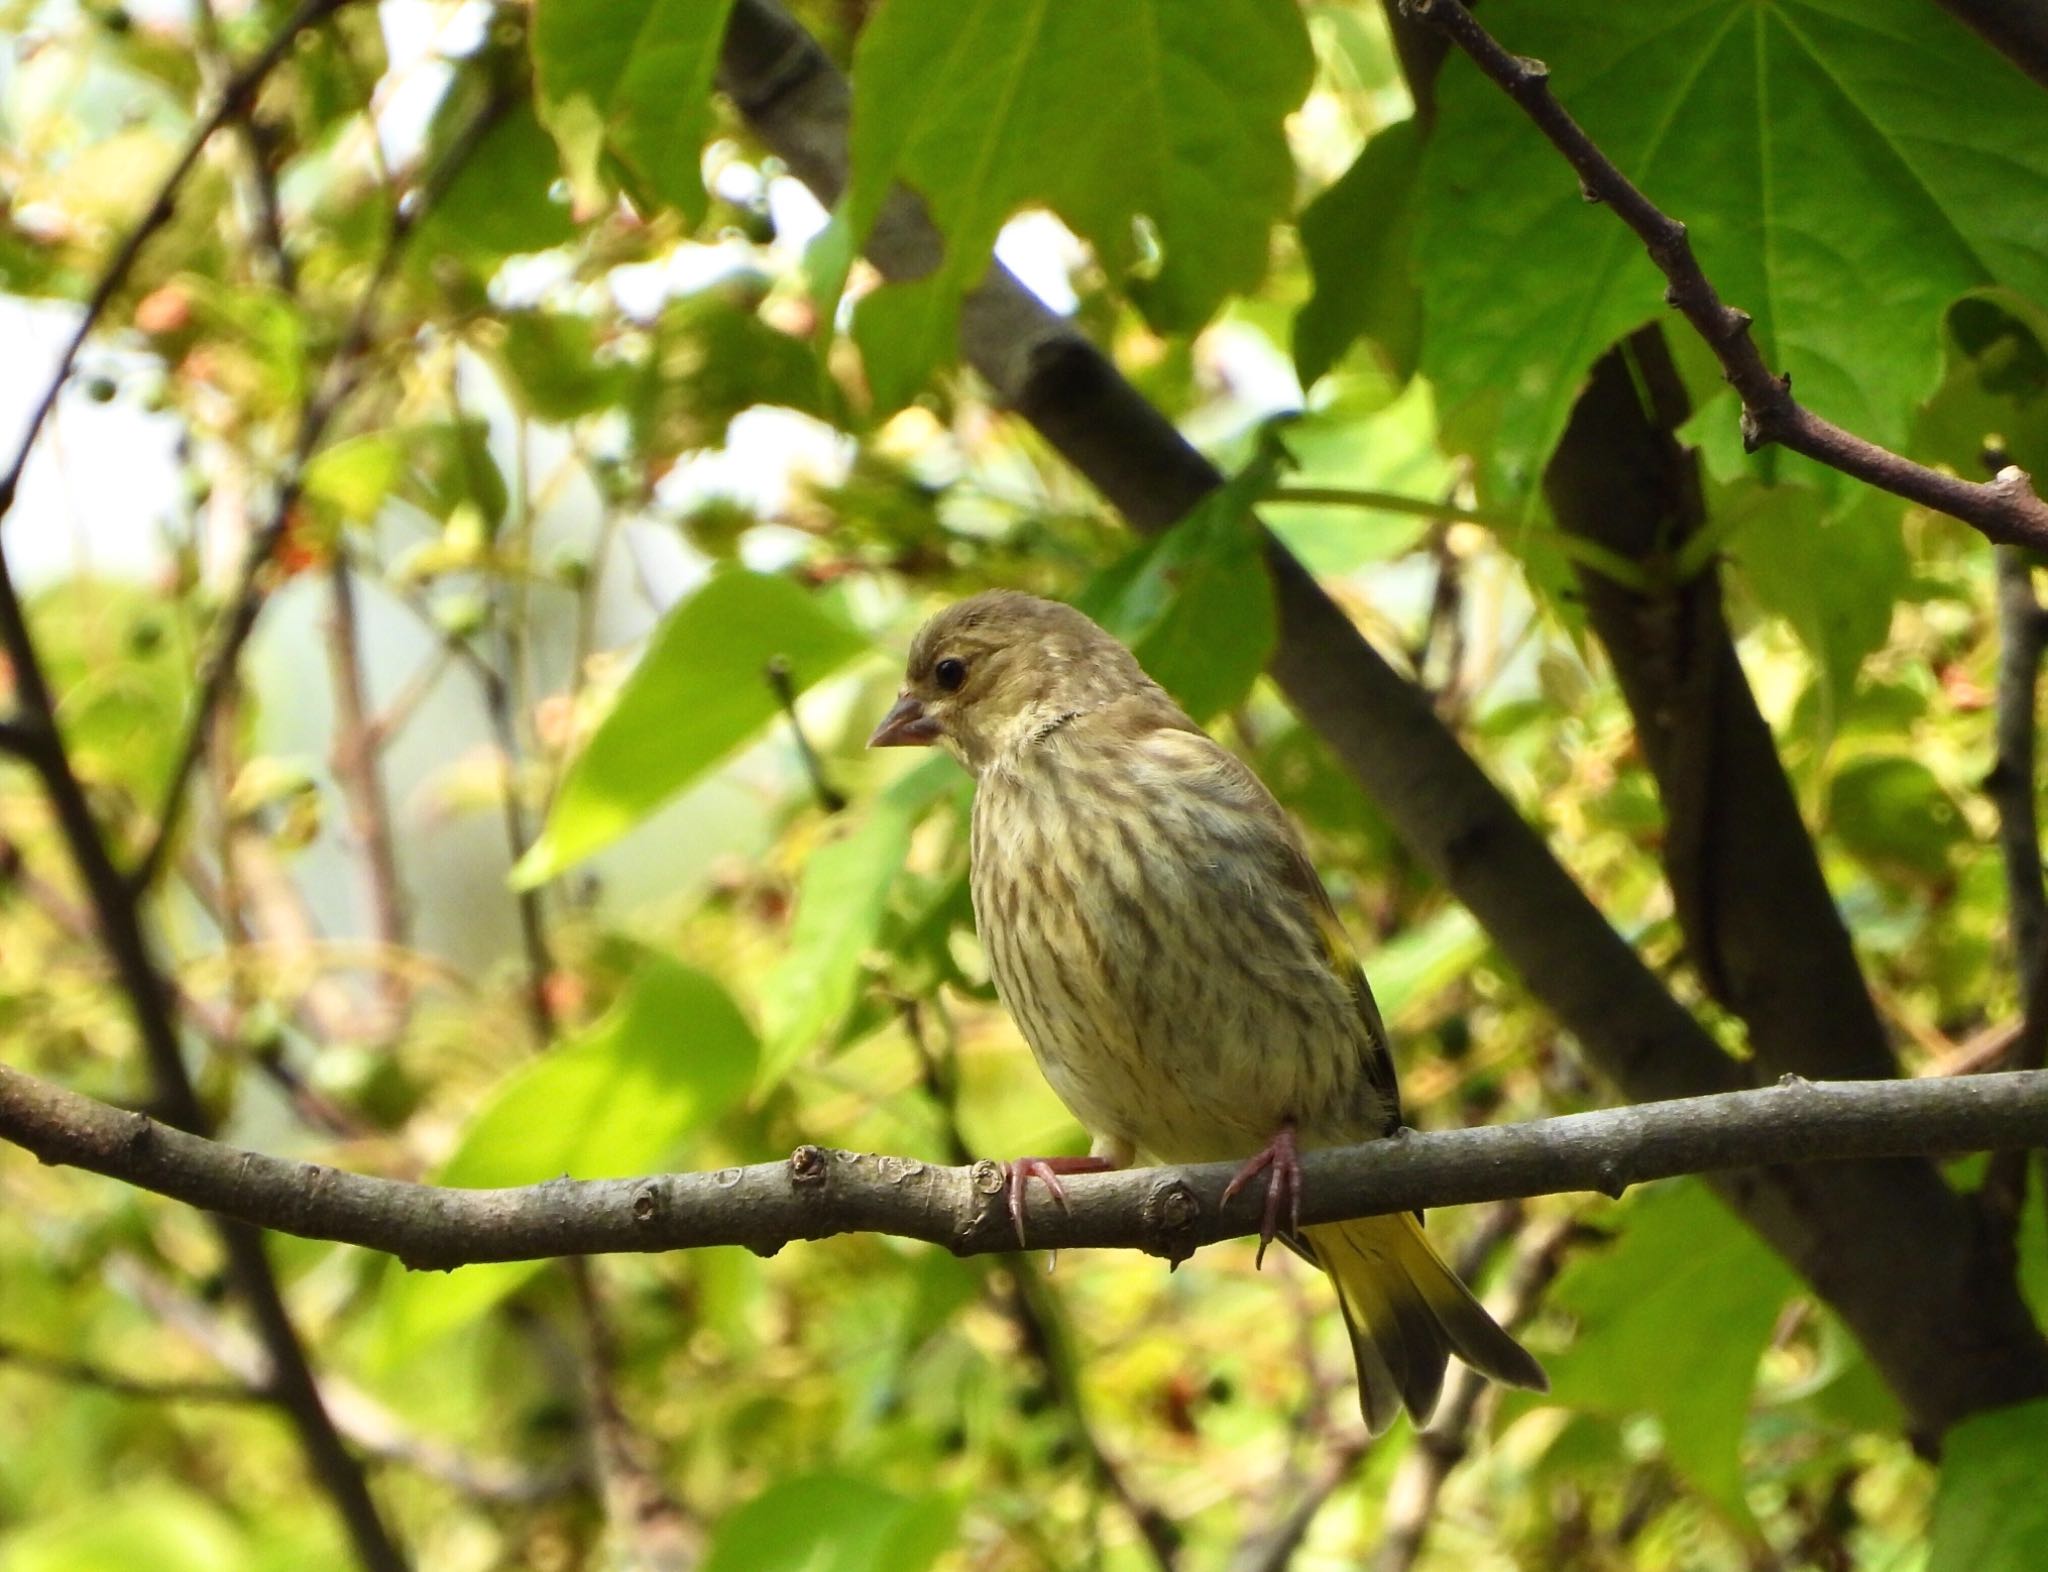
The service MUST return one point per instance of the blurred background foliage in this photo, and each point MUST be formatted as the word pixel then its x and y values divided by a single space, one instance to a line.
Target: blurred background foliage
pixel 537 837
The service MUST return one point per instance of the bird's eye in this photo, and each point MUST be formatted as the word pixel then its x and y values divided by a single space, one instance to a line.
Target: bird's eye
pixel 950 673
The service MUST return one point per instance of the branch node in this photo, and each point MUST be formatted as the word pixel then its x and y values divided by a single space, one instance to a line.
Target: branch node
pixel 1587 193
pixel 988 1177
pixel 807 1168
pixel 1534 73
pixel 1171 1212
pixel 1790 1082
pixel 1611 1181
pixel 647 1206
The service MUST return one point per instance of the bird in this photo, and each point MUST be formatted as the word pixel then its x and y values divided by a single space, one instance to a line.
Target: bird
pixel 1157 930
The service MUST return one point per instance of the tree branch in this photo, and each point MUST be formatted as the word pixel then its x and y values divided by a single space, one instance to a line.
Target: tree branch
pixel 1760 924
pixel 2012 782
pixel 358 770
pixel 1165 1211
pixel 2017 29
pixel 2012 788
pixel 2004 509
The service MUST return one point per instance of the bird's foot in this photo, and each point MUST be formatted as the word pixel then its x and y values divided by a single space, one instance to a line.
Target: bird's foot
pixel 1020 1171
pixel 1281 1164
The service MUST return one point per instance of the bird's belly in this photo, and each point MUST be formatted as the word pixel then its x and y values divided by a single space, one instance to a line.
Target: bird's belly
pixel 1160 1021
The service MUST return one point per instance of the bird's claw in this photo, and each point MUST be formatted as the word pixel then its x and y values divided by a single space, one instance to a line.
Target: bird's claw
pixel 1281 1163
pixel 1020 1171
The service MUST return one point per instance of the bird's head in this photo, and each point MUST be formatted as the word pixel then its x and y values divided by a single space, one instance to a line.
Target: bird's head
pixel 995 672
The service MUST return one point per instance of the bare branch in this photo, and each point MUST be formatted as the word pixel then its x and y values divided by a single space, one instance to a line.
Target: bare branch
pixel 1760 923
pixel 2017 29
pixel 2004 509
pixel 1165 1211
pixel 359 772
pixel 83 1372
pixel 829 797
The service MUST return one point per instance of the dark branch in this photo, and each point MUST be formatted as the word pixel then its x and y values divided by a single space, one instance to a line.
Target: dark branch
pixel 2011 785
pixel 829 797
pixel 2017 29
pixel 1760 924
pixel 2013 788
pixel 2004 509
pixel 1166 1211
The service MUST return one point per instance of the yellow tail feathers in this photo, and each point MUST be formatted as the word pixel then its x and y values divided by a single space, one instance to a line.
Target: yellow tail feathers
pixel 1408 1313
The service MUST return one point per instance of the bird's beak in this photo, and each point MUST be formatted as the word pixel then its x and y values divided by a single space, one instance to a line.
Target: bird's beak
pixel 905 726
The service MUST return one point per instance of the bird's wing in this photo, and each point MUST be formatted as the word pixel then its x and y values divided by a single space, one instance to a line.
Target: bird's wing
pixel 1198 758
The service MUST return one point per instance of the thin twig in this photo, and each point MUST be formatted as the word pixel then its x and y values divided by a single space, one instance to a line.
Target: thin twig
pixel 1392 502
pixel 142 980
pixel 357 771
pixel 2004 509
pixel 83 1372
pixel 255 140
pixel 386 726
pixel 829 797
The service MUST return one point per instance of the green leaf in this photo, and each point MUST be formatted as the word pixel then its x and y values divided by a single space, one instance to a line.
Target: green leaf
pixel 1846 168
pixel 551 361
pixel 1892 814
pixel 1997 386
pixel 699 691
pixel 840 904
pixel 1834 579
pixel 1672 1320
pixel 500 204
pixel 618 1099
pixel 711 357
pixel 147 1524
pixel 449 464
pixel 1424 960
pixel 1990 1514
pixel 1357 237
pixel 1196 605
pixel 1105 113
pixel 631 78
pixel 355 475
pixel 833 1523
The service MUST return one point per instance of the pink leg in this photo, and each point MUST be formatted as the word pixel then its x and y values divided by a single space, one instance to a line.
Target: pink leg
pixel 1283 1185
pixel 1020 1171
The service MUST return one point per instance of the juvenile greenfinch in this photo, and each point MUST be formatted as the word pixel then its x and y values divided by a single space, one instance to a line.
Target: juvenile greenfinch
pixel 1156 928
